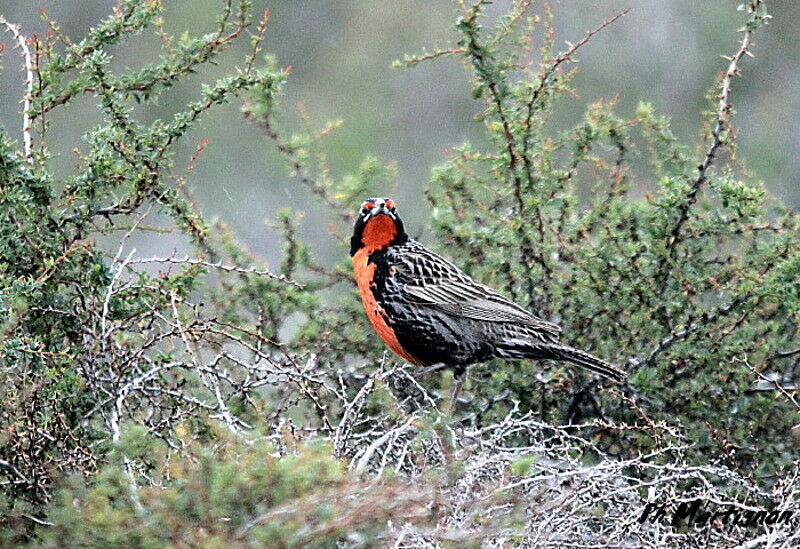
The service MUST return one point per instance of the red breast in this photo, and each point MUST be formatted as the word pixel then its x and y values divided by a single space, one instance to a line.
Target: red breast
pixel 378 232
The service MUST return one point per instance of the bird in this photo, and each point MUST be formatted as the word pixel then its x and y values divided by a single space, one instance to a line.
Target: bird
pixel 433 315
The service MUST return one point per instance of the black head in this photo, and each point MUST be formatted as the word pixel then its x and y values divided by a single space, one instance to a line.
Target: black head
pixel 377 226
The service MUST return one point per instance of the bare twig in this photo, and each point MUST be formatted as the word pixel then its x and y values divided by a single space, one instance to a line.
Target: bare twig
pixel 233 423
pixel 785 354
pixel 694 326
pixel 772 380
pixel 294 163
pixel 110 292
pixel 547 72
pixel 718 139
pixel 217 265
pixel 22 43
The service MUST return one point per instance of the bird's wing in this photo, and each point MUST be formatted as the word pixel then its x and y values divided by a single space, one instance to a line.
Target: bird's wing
pixel 433 281
pixel 465 300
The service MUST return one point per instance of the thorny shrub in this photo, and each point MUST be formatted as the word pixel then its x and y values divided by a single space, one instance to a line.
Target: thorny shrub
pixel 170 408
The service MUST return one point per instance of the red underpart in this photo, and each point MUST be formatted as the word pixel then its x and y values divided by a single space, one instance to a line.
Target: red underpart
pixel 375 236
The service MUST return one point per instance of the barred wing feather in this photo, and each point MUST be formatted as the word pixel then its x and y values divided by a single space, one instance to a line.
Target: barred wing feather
pixel 450 290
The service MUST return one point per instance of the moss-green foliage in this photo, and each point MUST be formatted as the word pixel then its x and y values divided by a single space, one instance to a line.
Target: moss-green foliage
pixel 48 268
pixel 237 493
pixel 62 321
pixel 693 288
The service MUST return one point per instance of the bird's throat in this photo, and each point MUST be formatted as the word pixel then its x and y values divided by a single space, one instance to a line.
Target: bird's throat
pixel 379 232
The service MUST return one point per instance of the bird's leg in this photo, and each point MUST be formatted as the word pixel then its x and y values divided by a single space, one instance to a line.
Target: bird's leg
pixel 458 383
pixel 432 368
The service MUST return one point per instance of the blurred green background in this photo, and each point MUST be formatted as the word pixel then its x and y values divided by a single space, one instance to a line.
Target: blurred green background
pixel 665 52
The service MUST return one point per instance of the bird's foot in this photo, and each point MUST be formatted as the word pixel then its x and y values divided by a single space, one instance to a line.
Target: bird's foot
pixel 432 368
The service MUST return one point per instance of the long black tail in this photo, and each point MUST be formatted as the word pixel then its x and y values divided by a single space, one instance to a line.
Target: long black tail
pixel 582 358
pixel 556 351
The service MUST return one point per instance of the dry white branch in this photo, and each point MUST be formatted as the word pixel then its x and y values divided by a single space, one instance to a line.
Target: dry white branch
pixel 210 381
pixel 22 43
pixel 110 292
pixel 218 265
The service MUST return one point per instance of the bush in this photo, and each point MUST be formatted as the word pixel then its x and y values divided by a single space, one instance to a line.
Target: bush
pixel 186 406
pixel 233 493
